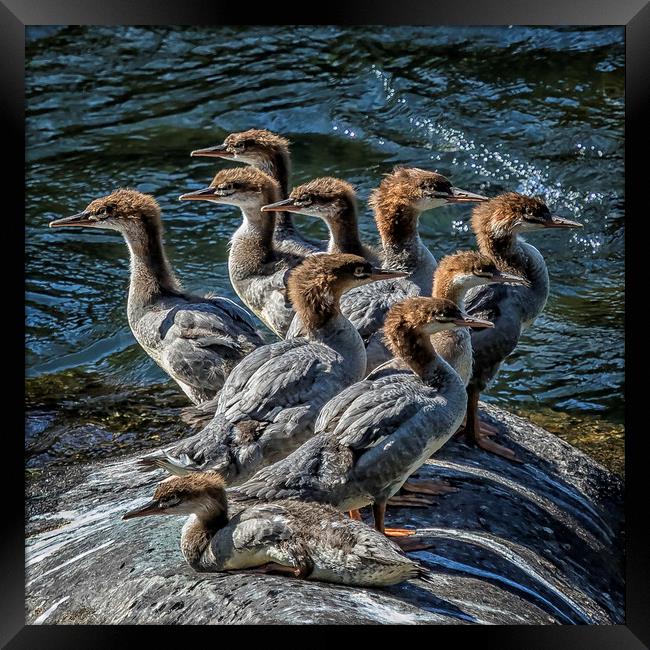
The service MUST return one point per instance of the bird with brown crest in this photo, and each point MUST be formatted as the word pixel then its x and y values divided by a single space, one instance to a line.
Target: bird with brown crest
pixel 269 405
pixel 455 275
pixel 374 434
pixel 300 540
pixel 196 340
pixel 497 225
pixel 335 202
pixel 258 270
pixel 398 202
pixel 268 152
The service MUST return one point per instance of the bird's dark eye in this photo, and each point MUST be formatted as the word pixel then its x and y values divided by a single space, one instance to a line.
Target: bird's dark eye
pixel 170 501
pixel 435 192
pixel 359 271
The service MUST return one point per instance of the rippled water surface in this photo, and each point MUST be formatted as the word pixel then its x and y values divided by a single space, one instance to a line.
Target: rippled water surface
pixel 537 110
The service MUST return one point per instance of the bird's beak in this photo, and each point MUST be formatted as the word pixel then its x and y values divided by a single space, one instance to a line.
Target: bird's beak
pixel 208 194
pixel 463 196
pixel 151 508
pixel 500 277
pixel 81 219
pixel 560 222
pixel 468 321
pixel 219 151
pixel 381 274
pixel 286 205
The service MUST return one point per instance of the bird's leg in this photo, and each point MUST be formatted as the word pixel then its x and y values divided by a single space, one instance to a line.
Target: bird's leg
pixel 273 567
pixel 403 537
pixel 473 432
pixel 379 512
pixel 355 514
pixel 486 429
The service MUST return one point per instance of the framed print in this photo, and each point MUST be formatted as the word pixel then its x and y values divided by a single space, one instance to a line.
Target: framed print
pixel 344 299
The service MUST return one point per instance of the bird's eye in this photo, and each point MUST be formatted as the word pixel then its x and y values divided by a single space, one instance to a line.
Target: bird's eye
pixel 170 502
pixel 359 271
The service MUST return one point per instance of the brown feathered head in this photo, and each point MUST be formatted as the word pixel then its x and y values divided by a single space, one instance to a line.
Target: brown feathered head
pixel 506 215
pixel 117 211
pixel 316 284
pixel 466 269
pixel 254 147
pixel 200 493
pixel 410 323
pixel 406 192
pixel 328 198
pixel 246 187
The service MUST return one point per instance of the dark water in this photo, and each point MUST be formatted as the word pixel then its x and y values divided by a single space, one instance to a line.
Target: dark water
pixel 537 110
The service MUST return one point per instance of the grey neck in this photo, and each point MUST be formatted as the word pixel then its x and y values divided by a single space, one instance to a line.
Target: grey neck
pixel 411 256
pixel 279 168
pixel 517 256
pixel 344 232
pixel 151 273
pixel 196 536
pixel 257 226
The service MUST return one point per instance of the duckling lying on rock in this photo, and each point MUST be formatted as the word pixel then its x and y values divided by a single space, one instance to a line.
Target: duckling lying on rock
pixel 304 540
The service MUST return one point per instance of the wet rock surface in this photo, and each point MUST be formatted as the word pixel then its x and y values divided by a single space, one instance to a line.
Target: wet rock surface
pixel 533 543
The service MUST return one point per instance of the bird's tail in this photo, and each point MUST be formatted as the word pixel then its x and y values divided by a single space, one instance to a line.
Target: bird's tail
pixel 424 573
pixel 182 466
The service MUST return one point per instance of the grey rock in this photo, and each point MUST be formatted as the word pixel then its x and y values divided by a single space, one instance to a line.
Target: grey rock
pixel 494 559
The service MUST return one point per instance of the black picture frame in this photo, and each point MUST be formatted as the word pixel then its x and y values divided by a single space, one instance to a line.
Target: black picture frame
pixel 15 15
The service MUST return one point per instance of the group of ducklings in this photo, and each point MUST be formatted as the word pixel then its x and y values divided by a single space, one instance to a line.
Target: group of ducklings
pixel 382 358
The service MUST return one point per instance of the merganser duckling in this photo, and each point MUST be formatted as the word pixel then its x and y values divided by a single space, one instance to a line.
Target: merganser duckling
pixel 455 275
pixel 258 272
pixel 497 224
pixel 268 152
pixel 398 202
pixel 453 278
pixel 302 540
pixel 334 201
pixel 196 340
pixel 270 402
pixel 374 434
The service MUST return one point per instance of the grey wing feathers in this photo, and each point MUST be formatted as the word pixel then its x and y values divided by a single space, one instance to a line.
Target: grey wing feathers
pixel 199 363
pixel 208 449
pixel 366 306
pixel 378 412
pixel 499 304
pixel 359 417
pixel 297 375
pixel 331 413
pixel 235 312
pixel 262 525
pixel 483 302
pixel 202 341
pixel 294 476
